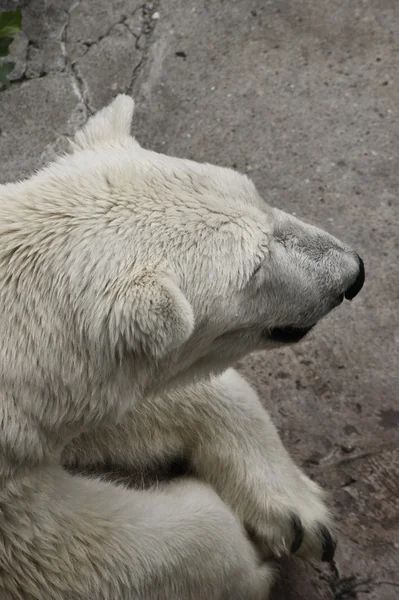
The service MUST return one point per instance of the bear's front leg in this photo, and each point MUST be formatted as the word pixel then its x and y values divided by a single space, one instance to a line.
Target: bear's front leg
pixel 239 451
pixel 222 429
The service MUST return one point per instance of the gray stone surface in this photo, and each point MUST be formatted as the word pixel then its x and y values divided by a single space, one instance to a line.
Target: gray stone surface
pixel 303 95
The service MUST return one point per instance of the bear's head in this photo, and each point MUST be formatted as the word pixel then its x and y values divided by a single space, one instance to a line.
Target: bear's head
pixel 204 271
pixel 124 270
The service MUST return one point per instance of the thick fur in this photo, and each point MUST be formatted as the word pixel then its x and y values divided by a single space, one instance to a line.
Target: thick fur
pixel 129 283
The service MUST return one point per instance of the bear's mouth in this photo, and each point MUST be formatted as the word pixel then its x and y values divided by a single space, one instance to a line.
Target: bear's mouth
pixel 289 335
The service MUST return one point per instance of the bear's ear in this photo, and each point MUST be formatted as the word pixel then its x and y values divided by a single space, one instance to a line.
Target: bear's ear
pixel 110 124
pixel 149 315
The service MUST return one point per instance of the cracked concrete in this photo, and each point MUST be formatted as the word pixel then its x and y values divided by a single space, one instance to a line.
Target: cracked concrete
pixel 303 96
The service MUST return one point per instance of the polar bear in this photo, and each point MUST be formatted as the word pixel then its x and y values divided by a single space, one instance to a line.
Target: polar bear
pixel 130 283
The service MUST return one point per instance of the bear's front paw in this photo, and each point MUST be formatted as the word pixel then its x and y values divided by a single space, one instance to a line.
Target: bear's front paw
pixel 295 520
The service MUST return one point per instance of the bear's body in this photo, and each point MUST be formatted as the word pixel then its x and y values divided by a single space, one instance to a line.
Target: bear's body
pixel 129 283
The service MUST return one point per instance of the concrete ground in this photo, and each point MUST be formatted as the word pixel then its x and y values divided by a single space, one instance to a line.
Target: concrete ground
pixel 302 95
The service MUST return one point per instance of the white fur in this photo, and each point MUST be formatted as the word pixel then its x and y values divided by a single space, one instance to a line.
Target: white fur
pixel 126 291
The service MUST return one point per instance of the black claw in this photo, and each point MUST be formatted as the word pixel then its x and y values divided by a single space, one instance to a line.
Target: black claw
pixel 298 534
pixel 329 545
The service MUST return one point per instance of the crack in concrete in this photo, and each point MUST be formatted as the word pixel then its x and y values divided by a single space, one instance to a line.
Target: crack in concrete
pixel 81 90
pixel 78 83
pixel 24 78
pixel 71 68
pixel 147 28
pixel 122 21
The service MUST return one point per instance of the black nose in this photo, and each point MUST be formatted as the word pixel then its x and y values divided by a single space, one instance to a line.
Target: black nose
pixel 355 288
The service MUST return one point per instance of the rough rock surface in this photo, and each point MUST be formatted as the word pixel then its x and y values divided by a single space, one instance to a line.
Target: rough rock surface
pixel 303 95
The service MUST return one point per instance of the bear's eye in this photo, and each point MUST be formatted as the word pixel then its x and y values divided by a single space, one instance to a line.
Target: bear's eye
pixel 260 257
pixel 258 268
